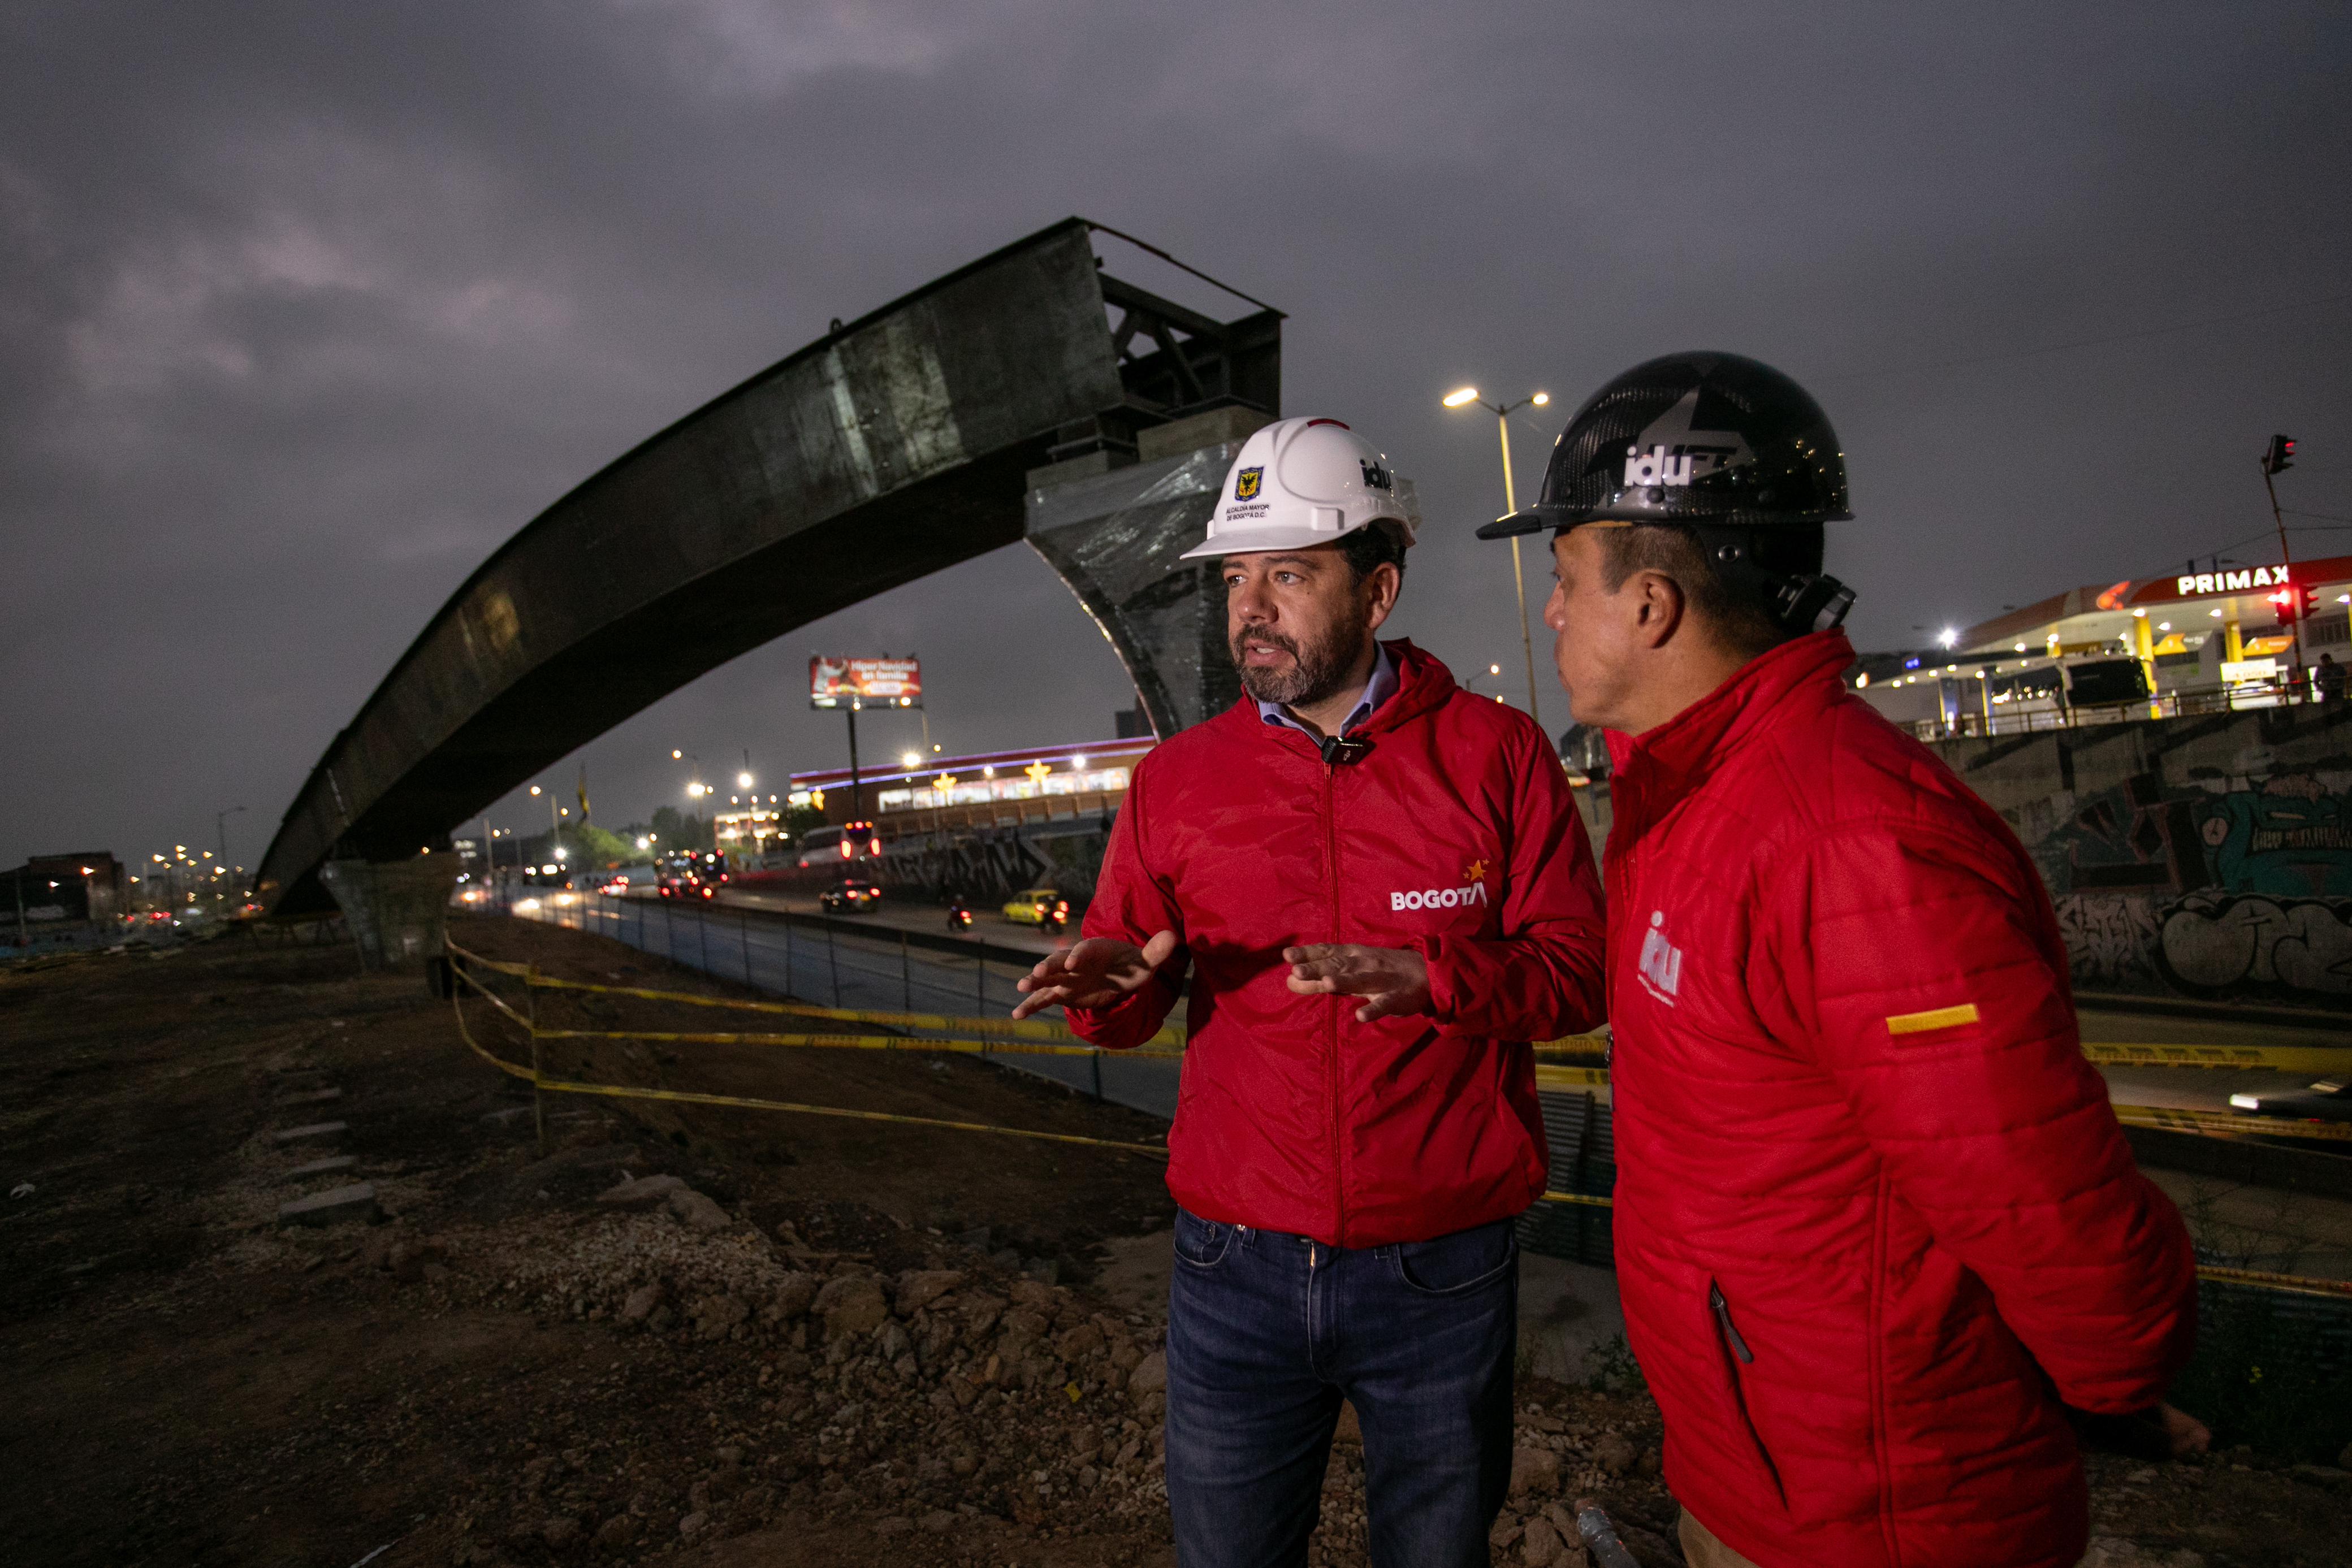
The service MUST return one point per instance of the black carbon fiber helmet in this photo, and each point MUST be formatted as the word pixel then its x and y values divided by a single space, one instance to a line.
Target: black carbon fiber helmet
pixel 1717 443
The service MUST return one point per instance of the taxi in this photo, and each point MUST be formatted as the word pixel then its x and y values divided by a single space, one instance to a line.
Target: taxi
pixel 1042 907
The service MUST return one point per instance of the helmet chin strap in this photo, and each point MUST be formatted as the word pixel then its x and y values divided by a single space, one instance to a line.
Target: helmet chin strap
pixel 1797 602
pixel 1814 601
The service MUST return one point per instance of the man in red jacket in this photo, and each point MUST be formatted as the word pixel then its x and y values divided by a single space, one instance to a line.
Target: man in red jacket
pixel 1383 888
pixel 1877 1226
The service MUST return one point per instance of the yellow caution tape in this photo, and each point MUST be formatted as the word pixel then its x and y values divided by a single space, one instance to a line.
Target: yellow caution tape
pixel 1550 1077
pixel 2293 1283
pixel 863 1042
pixel 1010 1029
pixel 2299 1283
pixel 621 1091
pixel 2281 1058
pixel 2212 1121
pixel 491 964
pixel 544 1084
pixel 1594 1044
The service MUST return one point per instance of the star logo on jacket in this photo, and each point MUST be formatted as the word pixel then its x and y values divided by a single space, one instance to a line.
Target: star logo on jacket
pixel 1662 962
pixel 1474 872
pixel 1245 483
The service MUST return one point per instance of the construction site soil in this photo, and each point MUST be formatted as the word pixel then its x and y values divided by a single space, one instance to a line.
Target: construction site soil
pixel 669 1332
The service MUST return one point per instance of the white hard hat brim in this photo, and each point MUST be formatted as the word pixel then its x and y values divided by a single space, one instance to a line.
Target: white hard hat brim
pixel 1257 541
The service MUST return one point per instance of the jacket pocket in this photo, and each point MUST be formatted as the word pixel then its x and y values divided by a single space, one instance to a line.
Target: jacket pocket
pixel 1736 1354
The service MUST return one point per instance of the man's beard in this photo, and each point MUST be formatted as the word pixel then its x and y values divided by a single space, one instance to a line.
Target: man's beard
pixel 1317 672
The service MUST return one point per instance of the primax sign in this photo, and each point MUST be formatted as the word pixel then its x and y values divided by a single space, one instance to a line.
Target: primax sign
pixel 2230 582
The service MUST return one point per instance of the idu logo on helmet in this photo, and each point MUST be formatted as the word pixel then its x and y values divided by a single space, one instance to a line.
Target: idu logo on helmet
pixel 1671 452
pixel 1300 483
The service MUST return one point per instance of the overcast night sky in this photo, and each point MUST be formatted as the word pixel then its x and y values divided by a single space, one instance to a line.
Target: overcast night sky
pixel 304 309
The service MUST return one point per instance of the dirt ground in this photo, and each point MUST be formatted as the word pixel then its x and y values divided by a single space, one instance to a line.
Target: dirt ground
pixel 790 1338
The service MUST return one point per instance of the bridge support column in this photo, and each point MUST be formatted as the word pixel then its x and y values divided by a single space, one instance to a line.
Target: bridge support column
pixel 398 913
pixel 1116 538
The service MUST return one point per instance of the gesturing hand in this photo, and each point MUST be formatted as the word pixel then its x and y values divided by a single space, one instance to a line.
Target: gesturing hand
pixel 1093 973
pixel 1394 978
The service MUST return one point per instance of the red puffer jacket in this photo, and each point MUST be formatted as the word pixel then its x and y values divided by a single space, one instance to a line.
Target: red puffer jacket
pixel 1455 836
pixel 1875 1216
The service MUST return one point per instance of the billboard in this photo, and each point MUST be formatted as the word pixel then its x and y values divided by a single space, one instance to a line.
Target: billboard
pixel 869 683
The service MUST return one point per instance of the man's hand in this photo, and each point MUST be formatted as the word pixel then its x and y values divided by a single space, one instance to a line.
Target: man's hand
pixel 1394 978
pixel 1093 973
pixel 2158 1432
pixel 2185 1433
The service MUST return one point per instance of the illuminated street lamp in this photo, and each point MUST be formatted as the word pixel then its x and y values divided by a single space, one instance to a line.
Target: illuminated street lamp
pixel 910 759
pixel 1462 397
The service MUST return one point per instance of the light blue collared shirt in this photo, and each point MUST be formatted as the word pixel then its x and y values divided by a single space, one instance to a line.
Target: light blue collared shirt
pixel 1378 690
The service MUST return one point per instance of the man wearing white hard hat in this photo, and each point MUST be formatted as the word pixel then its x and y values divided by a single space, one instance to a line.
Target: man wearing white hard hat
pixel 1382 890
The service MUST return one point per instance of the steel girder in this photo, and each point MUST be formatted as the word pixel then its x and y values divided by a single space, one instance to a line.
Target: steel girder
pixel 893 446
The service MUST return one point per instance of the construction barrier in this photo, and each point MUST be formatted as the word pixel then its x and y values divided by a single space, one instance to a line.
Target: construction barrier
pixel 1041 1037
pixel 543 1082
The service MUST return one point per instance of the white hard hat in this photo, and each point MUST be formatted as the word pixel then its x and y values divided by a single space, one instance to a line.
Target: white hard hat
pixel 1305 482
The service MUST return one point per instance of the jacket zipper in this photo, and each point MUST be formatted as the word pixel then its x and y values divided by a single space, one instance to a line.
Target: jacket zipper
pixel 1727 1338
pixel 1331 876
pixel 1723 1315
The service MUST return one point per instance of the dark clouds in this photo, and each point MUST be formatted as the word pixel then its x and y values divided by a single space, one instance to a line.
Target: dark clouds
pixel 303 309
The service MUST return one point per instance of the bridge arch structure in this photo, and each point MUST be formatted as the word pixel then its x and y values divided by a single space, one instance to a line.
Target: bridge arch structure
pixel 1029 394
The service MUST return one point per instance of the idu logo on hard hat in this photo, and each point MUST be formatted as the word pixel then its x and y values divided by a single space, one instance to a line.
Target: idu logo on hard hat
pixel 1671 452
pixel 1299 482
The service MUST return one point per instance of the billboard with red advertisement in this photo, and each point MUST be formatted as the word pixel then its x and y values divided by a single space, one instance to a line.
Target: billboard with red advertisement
pixel 868 682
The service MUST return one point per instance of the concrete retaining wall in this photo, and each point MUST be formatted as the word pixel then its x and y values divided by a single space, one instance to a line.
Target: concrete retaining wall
pixel 2203 857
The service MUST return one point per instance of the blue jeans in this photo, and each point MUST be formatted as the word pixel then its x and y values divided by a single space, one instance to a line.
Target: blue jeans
pixel 1267 1333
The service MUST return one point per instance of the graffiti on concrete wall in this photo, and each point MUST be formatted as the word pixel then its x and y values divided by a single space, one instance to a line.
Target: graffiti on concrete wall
pixel 2298 949
pixel 2110 940
pixel 2224 888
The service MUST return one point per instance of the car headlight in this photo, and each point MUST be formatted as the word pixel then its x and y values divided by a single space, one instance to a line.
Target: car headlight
pixel 2246 1102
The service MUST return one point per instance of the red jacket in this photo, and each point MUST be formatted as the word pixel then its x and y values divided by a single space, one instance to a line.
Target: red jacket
pixel 1455 836
pixel 1875 1216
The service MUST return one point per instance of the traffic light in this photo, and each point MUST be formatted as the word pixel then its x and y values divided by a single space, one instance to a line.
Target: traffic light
pixel 2280 457
pixel 2296 602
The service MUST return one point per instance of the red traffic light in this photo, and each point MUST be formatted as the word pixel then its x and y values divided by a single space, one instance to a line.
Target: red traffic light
pixel 2279 456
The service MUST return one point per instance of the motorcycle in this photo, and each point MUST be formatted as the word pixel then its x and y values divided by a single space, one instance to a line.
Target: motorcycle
pixel 958 917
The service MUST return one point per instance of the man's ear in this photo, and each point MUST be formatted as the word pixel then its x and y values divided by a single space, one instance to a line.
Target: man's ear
pixel 1382 584
pixel 1658 608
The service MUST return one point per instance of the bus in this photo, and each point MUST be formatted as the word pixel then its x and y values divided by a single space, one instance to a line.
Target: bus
pixel 829 846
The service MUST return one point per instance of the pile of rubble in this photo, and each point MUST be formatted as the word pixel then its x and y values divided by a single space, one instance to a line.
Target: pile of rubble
pixel 909 1399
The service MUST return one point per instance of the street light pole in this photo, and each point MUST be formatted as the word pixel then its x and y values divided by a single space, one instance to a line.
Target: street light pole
pixel 220 830
pixel 1503 412
pixel 2280 455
